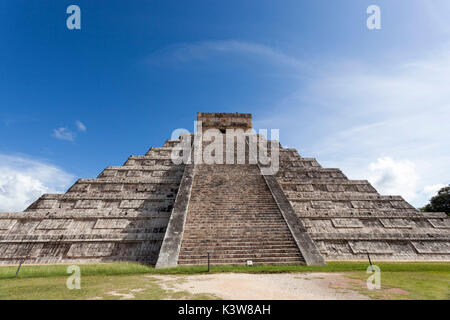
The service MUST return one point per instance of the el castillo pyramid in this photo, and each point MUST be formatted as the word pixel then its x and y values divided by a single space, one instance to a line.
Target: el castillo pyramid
pixel 155 210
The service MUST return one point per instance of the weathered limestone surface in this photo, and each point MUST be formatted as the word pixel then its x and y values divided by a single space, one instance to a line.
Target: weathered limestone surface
pixel 154 211
pixel 304 242
pixel 170 249
pixel 348 218
pixel 224 121
pixel 122 215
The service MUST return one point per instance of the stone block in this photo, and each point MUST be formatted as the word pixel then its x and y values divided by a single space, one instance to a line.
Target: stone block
pixel 443 223
pixel 397 223
pixel 432 247
pixel 6 224
pixel 111 223
pixel 374 247
pixel 87 250
pixel 347 223
pixel 54 224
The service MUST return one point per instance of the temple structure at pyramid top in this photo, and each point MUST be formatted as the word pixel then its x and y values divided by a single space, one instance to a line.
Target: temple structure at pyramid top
pixel 156 210
pixel 223 121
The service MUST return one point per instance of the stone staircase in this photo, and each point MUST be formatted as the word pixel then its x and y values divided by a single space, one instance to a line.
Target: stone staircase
pixel 233 217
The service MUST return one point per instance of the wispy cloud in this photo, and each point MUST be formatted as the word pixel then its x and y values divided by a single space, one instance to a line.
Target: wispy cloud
pixel 80 125
pixel 206 49
pixel 63 134
pixel 23 180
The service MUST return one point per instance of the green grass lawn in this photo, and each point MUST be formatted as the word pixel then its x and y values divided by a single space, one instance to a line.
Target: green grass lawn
pixel 136 268
pixel 415 280
pixel 92 287
pixel 417 285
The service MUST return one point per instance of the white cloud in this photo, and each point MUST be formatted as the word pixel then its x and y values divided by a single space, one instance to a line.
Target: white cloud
pixel 432 190
pixel 393 177
pixel 80 126
pixel 23 180
pixel 205 49
pixel 63 134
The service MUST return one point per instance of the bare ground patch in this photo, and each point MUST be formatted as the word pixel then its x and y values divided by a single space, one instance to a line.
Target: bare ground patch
pixel 243 286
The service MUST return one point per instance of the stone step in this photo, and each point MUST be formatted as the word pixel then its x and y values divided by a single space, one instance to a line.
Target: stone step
pixel 346 213
pixel 233 232
pixel 277 260
pixel 246 224
pixel 120 188
pixel 232 209
pixel 150 162
pixel 133 180
pixel 171 143
pixel 67 237
pixel 284 170
pixel 240 234
pixel 84 214
pixel 306 196
pixel 231 190
pixel 220 219
pixel 157 149
pixel 246 255
pixel 254 215
pixel 309 180
pixel 247 239
pixel 240 229
pixel 225 247
pixel 228 197
pixel 106 196
pixel 142 174
pixel 85 202
pixel 125 233
pixel 332 182
pixel 147 168
pixel 371 236
pixel 150 157
pixel 243 221
pixel 219 253
pixel 312 174
pixel 195 248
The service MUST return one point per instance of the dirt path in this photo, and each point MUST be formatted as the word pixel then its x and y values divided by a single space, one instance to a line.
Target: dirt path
pixel 240 286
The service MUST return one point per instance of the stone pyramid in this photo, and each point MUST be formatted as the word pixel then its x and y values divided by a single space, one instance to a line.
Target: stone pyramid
pixel 156 210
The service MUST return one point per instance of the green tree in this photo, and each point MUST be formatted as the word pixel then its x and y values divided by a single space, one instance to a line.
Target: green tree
pixel 440 202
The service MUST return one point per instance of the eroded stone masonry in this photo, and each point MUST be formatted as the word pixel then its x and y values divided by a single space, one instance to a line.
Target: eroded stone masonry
pixel 154 211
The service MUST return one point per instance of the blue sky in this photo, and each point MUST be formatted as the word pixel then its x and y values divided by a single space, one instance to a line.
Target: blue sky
pixel 375 103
